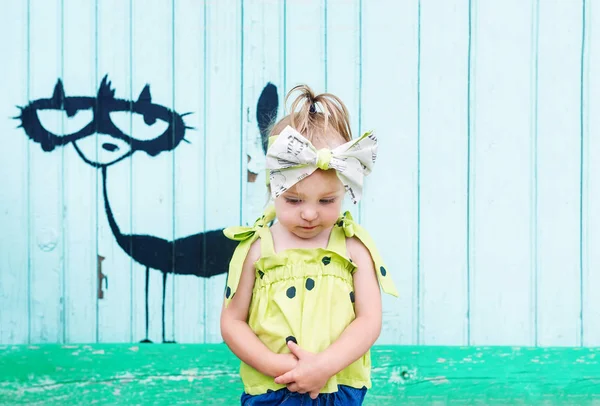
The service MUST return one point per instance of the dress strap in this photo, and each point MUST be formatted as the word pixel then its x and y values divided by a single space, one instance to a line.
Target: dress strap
pixel 267 248
pixel 352 229
pixel 337 240
pixel 246 236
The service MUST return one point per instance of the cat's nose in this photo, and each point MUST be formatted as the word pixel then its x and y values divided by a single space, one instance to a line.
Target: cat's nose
pixel 110 147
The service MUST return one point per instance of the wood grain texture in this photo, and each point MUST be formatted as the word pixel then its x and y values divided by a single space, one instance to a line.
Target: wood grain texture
pixel 46 187
pixel 79 76
pixel 190 189
pixel 115 309
pixel 590 126
pixel 152 176
pixel 14 170
pixel 443 103
pixel 500 175
pixel 558 160
pixel 224 167
pixel 208 375
pixel 389 108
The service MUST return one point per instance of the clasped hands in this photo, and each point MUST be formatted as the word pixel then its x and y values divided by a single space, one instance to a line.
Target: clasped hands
pixel 308 375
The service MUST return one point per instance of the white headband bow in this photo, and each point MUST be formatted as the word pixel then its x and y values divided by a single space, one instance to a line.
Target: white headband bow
pixel 292 158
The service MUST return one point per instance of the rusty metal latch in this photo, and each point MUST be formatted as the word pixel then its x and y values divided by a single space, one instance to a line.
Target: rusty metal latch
pixel 101 278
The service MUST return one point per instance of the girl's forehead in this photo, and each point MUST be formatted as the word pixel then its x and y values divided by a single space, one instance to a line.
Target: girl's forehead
pixel 318 183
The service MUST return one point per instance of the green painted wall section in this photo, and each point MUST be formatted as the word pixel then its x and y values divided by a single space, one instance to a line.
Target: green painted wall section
pixel 206 374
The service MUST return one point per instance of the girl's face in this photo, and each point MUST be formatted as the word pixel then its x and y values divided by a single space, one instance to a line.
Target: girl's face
pixel 312 205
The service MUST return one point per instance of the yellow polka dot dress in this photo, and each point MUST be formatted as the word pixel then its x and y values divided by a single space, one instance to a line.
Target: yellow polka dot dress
pixel 305 295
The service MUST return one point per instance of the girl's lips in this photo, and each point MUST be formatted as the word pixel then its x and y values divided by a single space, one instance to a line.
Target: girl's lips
pixel 309 228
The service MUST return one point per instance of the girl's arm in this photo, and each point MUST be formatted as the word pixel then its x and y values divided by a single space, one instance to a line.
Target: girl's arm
pixel 238 336
pixel 362 333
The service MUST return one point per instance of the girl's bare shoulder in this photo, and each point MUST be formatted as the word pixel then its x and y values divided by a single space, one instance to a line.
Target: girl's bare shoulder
pixel 253 252
pixel 357 251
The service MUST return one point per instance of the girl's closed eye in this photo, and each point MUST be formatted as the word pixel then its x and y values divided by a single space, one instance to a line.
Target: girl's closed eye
pixel 327 201
pixel 292 200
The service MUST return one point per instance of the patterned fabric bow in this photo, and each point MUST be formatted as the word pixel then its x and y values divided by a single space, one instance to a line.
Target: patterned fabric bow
pixel 352 229
pixel 292 158
pixel 246 236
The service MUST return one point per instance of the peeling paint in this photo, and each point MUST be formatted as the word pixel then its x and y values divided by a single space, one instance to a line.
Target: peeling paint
pixel 180 374
pixel 438 380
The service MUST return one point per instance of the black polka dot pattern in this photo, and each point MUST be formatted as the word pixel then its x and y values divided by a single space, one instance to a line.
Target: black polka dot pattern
pixel 261 274
pixel 326 260
pixel 227 292
pixel 383 271
pixel 352 297
pixel 291 338
pixel 291 292
pixel 310 284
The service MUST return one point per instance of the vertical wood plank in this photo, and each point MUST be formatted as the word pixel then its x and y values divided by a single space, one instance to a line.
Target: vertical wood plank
pixel 343 64
pixel 263 64
pixel 79 78
pixel 389 107
pixel 46 179
pixel 591 180
pixel 189 77
pixel 501 174
pixel 305 51
pixel 114 60
pixel 558 173
pixel 152 176
pixel 223 133
pixel 14 195
pixel 343 55
pixel 443 168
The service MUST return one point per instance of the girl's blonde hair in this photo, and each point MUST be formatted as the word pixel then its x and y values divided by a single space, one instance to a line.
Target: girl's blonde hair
pixel 322 119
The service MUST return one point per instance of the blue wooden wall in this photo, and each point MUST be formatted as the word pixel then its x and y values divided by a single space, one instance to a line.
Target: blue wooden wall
pixel 485 200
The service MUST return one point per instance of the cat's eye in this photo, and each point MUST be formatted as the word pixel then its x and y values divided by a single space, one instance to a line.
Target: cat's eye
pixel 134 125
pixel 59 123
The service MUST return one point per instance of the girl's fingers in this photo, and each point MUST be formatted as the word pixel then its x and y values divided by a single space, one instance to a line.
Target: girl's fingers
pixel 286 378
pixel 292 387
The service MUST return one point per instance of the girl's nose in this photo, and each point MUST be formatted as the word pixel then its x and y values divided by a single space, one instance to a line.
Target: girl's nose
pixel 308 214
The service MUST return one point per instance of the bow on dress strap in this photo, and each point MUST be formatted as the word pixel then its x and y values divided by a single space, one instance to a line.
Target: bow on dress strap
pixel 353 229
pixel 246 236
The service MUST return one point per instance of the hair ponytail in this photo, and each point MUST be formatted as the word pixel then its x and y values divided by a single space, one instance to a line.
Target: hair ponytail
pixel 322 118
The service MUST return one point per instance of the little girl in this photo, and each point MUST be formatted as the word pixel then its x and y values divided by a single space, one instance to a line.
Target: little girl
pixel 302 302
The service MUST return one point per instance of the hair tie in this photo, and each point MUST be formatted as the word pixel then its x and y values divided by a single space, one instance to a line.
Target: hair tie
pixel 313 108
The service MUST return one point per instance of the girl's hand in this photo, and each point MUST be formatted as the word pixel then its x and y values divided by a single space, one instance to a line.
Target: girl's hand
pixel 309 376
pixel 283 363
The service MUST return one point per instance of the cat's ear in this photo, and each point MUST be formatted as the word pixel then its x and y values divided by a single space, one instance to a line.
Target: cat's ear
pixel 58 96
pixel 105 91
pixel 266 112
pixel 145 96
